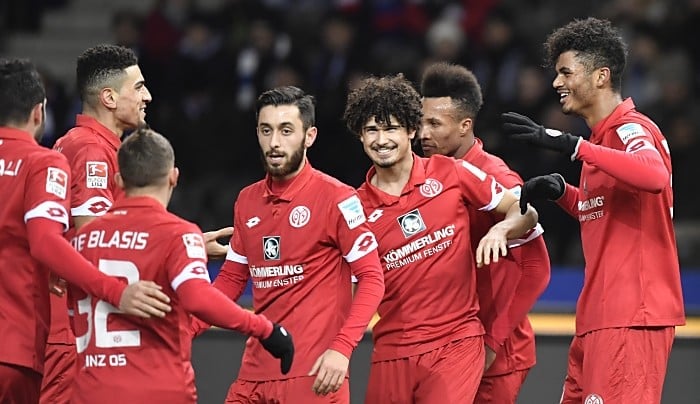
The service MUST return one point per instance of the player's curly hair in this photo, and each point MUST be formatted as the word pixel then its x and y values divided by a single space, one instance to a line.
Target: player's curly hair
pixel 597 44
pixel 454 81
pixel 102 66
pixel 382 98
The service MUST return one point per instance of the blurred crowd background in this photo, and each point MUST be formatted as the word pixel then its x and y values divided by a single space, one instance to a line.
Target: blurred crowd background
pixel 206 61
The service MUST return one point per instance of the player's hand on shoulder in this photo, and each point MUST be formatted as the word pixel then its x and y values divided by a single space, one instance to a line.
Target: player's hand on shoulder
pixel 144 299
pixel 216 251
pixel 330 370
pixel 281 346
pixel 550 187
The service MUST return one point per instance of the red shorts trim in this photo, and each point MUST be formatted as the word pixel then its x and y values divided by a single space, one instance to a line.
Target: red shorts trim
pixel 448 374
pixel 295 390
pixel 618 365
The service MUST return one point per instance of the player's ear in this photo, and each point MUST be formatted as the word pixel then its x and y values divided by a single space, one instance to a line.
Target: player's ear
pixel 602 76
pixel 37 115
pixel 108 97
pixel 412 134
pixel 465 125
pixel 310 136
pixel 119 180
pixel 173 176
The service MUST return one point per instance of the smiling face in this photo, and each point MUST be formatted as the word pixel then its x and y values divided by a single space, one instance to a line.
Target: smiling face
pixel 132 98
pixel 575 84
pixel 283 140
pixel 386 144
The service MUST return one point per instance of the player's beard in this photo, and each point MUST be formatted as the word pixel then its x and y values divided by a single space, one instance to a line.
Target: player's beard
pixel 292 164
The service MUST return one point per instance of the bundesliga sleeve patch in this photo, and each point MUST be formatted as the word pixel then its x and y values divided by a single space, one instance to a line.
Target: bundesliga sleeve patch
pixel 57 182
pixel 97 174
pixel 352 211
pixel 630 131
pixel 194 245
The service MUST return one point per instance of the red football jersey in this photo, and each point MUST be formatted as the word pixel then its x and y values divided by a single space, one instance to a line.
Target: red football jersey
pixel 124 359
pixel 497 282
pixel 632 275
pixel 91 150
pixel 424 247
pixel 34 183
pixel 294 247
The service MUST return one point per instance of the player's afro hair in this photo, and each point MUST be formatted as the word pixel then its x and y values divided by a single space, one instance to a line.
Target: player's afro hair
pixel 596 42
pixel 454 81
pixel 381 98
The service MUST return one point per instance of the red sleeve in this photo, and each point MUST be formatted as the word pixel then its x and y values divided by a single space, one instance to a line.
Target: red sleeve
pixel 48 246
pixel 640 165
pixel 199 298
pixel 231 281
pixel 479 189
pixel 533 264
pixel 370 289
pixel 569 201
pixel 91 187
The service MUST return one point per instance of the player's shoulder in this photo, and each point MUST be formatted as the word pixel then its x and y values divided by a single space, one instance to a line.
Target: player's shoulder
pixel 76 137
pixel 251 191
pixel 438 164
pixel 173 223
pixel 326 182
pixel 40 156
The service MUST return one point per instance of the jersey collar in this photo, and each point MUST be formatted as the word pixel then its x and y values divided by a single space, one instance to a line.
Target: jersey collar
pixel 294 187
pixel 101 130
pixel 137 202
pixel 417 178
pixel 475 150
pixel 16 134
pixel 599 129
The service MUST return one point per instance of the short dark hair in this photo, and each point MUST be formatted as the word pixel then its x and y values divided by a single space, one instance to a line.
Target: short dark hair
pixel 596 43
pixel 456 82
pixel 145 158
pixel 21 89
pixel 102 66
pixel 289 95
pixel 382 98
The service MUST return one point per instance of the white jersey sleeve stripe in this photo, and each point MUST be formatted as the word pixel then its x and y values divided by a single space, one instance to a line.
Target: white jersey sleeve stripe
pixel 497 194
pixel 95 206
pixel 51 210
pixel 531 235
pixel 193 270
pixel 235 257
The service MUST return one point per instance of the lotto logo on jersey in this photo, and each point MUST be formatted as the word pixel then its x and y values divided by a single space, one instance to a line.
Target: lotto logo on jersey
pixel 352 211
pixel 97 174
pixel 271 248
pixel 194 245
pixel 57 182
pixel 411 223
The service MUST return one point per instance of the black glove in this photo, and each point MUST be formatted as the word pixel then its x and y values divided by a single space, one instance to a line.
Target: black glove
pixel 280 345
pixel 523 128
pixel 550 187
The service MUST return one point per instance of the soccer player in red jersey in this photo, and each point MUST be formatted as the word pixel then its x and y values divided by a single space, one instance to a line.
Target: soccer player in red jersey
pixel 428 344
pixel 300 235
pixel 115 97
pixel 509 288
pixel 33 216
pixel 126 360
pixel 631 299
